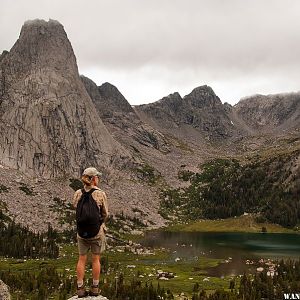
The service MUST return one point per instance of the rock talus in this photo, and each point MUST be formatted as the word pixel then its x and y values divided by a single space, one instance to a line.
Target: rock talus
pixel 4 292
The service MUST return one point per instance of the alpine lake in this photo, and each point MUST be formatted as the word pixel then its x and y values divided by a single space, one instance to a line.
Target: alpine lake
pixel 214 254
pixel 212 260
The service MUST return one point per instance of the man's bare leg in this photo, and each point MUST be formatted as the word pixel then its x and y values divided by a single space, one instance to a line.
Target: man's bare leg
pixel 96 268
pixel 81 269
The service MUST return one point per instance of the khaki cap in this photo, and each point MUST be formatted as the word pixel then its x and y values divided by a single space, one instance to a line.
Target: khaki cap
pixel 91 171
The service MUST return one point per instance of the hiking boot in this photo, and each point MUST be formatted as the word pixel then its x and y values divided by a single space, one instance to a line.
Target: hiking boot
pixel 81 292
pixel 94 290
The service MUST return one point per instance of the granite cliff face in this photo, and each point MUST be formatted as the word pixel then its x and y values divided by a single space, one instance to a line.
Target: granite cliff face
pixel 48 122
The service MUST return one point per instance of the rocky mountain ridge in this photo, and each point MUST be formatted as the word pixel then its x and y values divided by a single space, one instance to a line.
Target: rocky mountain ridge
pixel 55 123
pixel 162 151
pixel 119 116
pixel 270 113
pixel 201 109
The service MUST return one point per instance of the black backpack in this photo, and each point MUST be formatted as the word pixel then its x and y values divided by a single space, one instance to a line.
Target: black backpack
pixel 88 215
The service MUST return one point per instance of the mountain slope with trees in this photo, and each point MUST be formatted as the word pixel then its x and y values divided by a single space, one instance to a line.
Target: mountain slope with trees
pixel 268 187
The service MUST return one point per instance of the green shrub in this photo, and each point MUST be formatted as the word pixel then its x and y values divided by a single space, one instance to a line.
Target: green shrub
pixel 4 189
pixel 75 184
pixel 149 174
pixel 27 190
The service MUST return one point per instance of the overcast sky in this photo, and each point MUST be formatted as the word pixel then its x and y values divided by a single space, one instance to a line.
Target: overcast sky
pixel 151 48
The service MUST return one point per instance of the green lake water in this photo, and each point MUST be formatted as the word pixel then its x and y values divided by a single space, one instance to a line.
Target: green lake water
pixel 236 248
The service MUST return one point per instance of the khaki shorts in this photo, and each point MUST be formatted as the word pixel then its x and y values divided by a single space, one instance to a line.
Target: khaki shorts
pixel 84 245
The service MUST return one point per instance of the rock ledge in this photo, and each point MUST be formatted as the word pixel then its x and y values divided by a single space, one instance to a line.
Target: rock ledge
pixel 4 292
pixel 89 298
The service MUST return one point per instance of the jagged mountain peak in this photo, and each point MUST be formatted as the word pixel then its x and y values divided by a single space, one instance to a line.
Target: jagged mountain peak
pixel 170 105
pixel 49 123
pixel 203 90
pixel 173 100
pixel 43 44
pixel 172 97
pixel 201 110
pixel 111 93
pixel 122 120
pixel 107 98
pixel 109 86
pixel 203 96
pixel 38 28
pixel 38 22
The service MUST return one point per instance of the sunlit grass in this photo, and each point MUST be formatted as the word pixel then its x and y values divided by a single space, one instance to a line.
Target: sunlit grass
pixel 239 224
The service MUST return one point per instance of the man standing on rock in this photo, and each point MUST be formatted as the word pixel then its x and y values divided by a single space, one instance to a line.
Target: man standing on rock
pixel 91 214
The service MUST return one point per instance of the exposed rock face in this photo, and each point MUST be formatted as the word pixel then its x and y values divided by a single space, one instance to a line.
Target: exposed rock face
pixel 163 113
pixel 201 110
pixel 4 292
pixel 270 114
pixel 210 115
pixel 121 119
pixel 115 101
pixel 48 122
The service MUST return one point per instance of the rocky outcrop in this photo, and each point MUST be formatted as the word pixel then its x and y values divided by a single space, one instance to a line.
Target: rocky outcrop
pixel 163 113
pixel 48 122
pixel 271 113
pixel 201 110
pixel 4 292
pixel 121 119
pixel 209 113
pixel 107 99
pixel 114 100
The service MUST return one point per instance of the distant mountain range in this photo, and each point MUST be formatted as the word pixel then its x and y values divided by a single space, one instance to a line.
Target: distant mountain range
pixel 54 123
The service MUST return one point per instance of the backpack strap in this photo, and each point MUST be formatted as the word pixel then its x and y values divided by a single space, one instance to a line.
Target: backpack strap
pixel 84 192
pixel 89 192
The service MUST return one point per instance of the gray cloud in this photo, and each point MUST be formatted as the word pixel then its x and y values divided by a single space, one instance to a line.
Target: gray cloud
pixel 152 48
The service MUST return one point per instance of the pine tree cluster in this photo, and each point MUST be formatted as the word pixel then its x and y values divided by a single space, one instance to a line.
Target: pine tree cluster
pixel 40 284
pixel 260 285
pixel 226 188
pixel 19 242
